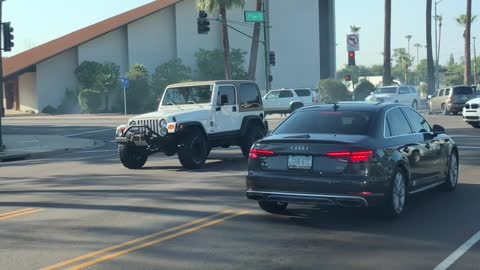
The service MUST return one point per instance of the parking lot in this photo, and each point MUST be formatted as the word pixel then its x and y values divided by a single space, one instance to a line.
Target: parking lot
pixel 84 210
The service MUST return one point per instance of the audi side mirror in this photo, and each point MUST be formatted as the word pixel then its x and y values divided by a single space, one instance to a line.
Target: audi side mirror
pixel 437 129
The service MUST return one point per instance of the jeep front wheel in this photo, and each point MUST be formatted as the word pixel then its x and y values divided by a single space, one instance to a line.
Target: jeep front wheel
pixel 131 157
pixel 192 152
pixel 254 133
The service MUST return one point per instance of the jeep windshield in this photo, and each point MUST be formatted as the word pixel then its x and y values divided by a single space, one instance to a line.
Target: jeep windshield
pixel 386 90
pixel 188 95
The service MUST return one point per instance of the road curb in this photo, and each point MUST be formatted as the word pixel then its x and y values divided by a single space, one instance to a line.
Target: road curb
pixel 43 154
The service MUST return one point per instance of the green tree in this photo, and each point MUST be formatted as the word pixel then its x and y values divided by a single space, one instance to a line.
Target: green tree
pixel 465 20
pixel 451 61
pixel 108 81
pixel 354 29
pixel 363 90
pixel 333 91
pixel 138 93
pixel 387 65
pixel 86 74
pixel 173 71
pixel 209 65
pixel 222 6
pixel 403 60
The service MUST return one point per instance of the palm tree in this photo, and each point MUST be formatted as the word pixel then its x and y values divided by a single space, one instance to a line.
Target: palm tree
pixel 387 66
pixel 252 67
pixel 222 6
pixel 430 69
pixel 466 21
pixel 354 29
pixel 417 46
pixel 408 37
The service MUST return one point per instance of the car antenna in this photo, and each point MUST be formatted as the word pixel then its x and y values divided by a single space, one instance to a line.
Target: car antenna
pixel 335 106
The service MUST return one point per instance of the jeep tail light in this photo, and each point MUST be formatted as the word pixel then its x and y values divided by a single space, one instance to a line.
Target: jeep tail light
pixel 255 154
pixel 449 100
pixel 353 157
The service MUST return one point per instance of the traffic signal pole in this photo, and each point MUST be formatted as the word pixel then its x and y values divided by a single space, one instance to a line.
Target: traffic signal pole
pixel 266 44
pixel 2 111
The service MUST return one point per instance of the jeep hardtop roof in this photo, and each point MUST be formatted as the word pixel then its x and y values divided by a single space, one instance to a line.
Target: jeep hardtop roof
pixel 209 82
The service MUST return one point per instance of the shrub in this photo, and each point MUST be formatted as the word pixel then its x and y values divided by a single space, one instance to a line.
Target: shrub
pixel 86 74
pixel 210 64
pixel 363 90
pixel 332 91
pixel 69 102
pixel 89 100
pixel 173 71
pixel 49 110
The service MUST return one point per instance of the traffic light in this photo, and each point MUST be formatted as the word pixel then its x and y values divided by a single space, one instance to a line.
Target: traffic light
pixel 351 58
pixel 203 25
pixel 7 37
pixel 271 57
pixel 348 77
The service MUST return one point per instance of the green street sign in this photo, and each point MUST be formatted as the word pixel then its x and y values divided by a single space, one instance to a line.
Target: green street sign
pixel 254 16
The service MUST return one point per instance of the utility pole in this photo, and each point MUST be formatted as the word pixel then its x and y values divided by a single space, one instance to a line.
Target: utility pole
pixel 474 61
pixel 266 38
pixel 2 110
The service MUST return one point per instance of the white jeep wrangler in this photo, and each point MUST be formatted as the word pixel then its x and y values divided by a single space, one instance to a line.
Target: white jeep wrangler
pixel 193 118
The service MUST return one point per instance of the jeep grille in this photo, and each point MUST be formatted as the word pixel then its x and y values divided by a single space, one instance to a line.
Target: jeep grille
pixel 151 123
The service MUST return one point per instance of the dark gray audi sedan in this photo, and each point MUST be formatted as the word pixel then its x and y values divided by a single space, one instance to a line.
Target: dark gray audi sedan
pixel 351 155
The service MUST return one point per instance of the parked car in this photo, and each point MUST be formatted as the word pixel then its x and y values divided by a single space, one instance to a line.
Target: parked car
pixel 193 118
pixel 403 94
pixel 450 100
pixel 288 100
pixel 351 155
pixel 471 112
pixel 478 93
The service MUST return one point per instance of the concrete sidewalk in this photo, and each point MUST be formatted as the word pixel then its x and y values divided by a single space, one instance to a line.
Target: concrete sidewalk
pixel 103 116
pixel 19 147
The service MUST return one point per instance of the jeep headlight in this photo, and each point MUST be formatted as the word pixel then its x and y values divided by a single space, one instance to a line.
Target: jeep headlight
pixel 132 123
pixel 163 123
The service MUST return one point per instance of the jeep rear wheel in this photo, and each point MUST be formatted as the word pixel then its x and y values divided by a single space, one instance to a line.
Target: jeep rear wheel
pixel 254 133
pixel 131 157
pixel 295 106
pixel 193 151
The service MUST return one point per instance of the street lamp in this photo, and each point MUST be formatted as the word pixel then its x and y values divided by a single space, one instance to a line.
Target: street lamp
pixel 475 60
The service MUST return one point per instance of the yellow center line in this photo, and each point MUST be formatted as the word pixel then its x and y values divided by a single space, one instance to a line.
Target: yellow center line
pixel 154 242
pixel 134 241
pixel 21 214
pixel 14 212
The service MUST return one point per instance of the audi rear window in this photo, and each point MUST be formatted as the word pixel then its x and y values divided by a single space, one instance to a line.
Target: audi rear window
pixel 327 122
pixel 463 90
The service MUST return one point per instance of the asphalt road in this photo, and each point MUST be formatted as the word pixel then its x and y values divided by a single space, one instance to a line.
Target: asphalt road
pixel 84 210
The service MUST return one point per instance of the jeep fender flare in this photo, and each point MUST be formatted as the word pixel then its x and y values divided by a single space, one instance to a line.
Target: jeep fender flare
pixel 251 120
pixel 184 127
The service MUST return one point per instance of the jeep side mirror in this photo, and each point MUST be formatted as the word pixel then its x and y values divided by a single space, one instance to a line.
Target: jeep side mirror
pixel 223 99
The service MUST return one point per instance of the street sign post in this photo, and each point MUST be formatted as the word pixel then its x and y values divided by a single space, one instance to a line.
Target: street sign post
pixel 254 16
pixel 353 42
pixel 125 84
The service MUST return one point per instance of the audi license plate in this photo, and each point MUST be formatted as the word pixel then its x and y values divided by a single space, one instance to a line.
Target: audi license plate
pixel 300 162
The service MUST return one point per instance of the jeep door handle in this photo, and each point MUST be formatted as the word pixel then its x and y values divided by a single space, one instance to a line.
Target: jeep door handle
pixel 218 109
pixel 234 108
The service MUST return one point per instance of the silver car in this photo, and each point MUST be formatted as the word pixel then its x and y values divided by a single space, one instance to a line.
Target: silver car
pixel 403 94
pixel 450 100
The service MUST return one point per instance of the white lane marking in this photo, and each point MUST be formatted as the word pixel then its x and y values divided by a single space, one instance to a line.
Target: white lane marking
pixel 97 151
pixel 458 253
pixel 469 147
pixel 89 132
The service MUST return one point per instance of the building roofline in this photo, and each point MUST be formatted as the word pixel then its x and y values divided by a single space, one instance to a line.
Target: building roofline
pixel 52 48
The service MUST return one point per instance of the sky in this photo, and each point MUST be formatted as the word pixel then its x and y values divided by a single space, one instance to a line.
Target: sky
pixel 37 22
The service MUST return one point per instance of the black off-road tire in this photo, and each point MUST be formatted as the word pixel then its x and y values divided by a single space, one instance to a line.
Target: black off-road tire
pixel 254 133
pixel 193 150
pixel 132 157
pixel 273 207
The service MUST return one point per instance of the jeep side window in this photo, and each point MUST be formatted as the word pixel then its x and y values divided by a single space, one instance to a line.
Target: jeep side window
pixel 447 92
pixel 441 92
pixel 249 96
pixel 227 93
